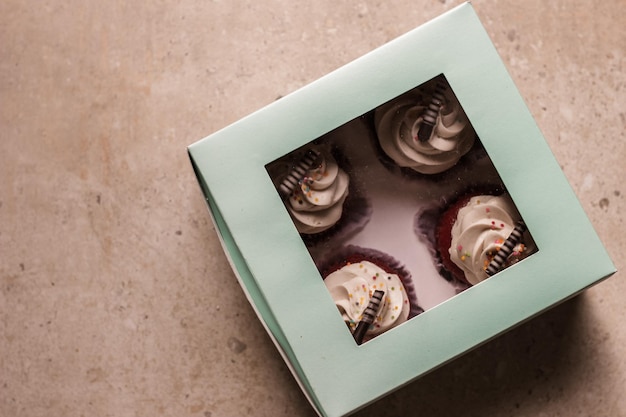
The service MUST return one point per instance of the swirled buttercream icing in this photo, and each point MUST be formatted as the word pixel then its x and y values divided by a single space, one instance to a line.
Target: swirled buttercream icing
pixel 352 287
pixel 316 203
pixel 398 124
pixel 481 227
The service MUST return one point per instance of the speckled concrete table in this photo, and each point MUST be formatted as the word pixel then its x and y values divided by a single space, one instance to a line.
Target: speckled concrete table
pixel 115 296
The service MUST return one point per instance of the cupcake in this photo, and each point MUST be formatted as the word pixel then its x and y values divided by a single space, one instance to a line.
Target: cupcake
pixel 318 193
pixel 313 187
pixel 424 130
pixel 316 200
pixel 354 278
pixel 480 235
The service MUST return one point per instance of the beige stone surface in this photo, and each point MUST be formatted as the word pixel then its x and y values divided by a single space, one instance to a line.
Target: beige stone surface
pixel 115 296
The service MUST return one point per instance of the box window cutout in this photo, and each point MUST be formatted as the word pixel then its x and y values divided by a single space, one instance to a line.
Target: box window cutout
pixel 401 209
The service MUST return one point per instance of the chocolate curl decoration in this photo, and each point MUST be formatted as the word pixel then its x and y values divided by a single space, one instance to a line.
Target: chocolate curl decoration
pixel 369 314
pixel 298 172
pixel 430 114
pixel 506 249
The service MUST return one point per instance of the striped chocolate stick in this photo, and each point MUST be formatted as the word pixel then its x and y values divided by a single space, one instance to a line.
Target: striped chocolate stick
pixel 430 114
pixel 369 314
pixel 506 249
pixel 298 172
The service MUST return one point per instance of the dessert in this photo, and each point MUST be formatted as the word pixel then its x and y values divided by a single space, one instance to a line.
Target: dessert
pixel 472 233
pixel 315 189
pixel 425 129
pixel 354 280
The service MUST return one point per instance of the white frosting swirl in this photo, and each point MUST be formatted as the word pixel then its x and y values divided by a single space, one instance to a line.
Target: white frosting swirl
pixel 480 229
pixel 317 203
pixel 352 288
pixel 398 122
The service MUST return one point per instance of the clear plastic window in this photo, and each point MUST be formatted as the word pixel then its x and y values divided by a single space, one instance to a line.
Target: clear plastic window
pixel 401 209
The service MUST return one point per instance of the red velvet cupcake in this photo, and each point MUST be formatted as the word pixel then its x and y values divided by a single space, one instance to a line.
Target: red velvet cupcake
pixel 480 235
pixel 319 195
pixel 352 277
pixel 425 130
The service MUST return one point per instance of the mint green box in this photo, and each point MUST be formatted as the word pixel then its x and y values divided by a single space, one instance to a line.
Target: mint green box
pixel 278 275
